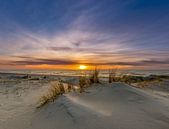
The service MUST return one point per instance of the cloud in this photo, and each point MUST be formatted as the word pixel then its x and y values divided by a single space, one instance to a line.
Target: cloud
pixel 35 61
pixel 39 61
pixel 89 31
pixel 87 50
pixel 138 63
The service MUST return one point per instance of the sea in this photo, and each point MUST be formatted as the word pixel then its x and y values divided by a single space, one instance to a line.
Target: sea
pixel 102 73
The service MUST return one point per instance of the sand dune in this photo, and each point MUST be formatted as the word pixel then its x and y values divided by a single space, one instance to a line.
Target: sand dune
pixel 115 106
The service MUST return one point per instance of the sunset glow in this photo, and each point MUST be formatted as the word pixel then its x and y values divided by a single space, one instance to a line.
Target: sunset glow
pixel 74 64
pixel 99 33
pixel 82 67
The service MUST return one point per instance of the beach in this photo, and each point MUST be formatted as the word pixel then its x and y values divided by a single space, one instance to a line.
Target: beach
pixel 84 64
pixel 116 105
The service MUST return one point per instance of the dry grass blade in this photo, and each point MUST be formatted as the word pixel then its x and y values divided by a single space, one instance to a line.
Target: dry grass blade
pixel 56 89
pixel 83 82
pixel 94 77
pixel 112 75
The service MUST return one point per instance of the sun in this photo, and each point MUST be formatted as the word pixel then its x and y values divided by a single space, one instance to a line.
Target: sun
pixel 82 67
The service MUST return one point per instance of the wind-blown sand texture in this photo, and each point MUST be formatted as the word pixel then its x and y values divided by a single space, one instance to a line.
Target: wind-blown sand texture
pixel 103 106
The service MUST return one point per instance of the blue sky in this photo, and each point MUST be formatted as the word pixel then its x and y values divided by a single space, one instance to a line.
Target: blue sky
pixel 132 33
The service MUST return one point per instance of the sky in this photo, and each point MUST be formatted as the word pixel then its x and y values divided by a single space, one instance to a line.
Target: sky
pixel 62 34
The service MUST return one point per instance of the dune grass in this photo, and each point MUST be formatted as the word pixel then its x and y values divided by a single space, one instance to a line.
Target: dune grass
pixel 94 76
pixel 56 89
pixel 83 82
pixel 86 81
pixel 112 75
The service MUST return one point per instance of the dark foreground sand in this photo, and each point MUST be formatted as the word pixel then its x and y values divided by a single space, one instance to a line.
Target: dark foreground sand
pixel 114 106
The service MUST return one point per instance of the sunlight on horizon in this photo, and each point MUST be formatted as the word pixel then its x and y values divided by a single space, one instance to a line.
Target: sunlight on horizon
pixel 82 67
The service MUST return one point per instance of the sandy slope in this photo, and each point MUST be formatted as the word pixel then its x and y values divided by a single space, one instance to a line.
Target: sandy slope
pixel 115 106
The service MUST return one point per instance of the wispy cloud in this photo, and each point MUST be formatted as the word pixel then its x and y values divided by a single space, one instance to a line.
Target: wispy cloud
pixel 89 31
pixel 43 61
pixel 39 61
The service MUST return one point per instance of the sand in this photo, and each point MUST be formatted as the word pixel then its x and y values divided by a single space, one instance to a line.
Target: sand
pixel 103 106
